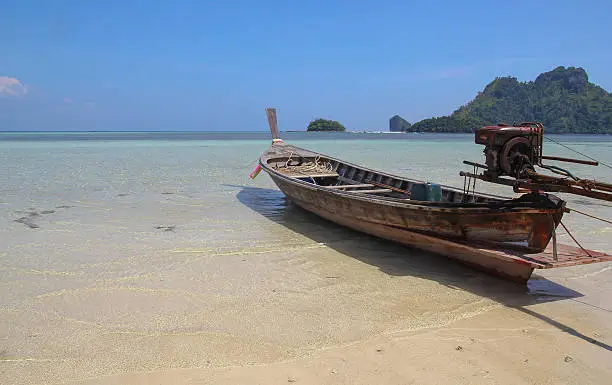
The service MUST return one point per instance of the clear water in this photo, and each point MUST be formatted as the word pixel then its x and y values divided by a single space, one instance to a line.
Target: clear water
pixel 128 252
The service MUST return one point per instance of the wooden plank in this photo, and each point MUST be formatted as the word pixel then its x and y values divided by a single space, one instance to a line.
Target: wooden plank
pixel 377 191
pixel 271 112
pixel 302 176
pixel 399 190
pixel 344 186
pixel 566 256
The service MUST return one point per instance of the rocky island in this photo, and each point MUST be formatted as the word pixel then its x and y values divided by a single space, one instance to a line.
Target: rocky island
pixel 563 99
pixel 398 124
pixel 325 125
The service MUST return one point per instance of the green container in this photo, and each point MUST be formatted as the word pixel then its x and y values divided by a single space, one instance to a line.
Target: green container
pixel 418 192
pixel 434 192
pixel 426 192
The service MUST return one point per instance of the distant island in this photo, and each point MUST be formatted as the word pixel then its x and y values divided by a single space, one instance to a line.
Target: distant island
pixel 563 99
pixel 399 124
pixel 325 125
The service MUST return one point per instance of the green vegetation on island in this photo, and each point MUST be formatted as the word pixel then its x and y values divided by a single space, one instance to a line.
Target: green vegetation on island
pixel 563 99
pixel 325 125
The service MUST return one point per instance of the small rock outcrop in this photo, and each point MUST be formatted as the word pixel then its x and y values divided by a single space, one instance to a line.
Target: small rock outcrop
pixel 398 124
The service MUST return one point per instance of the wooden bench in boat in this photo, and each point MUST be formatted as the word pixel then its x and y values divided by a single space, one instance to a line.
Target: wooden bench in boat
pixel 399 190
pixel 376 191
pixel 302 176
pixel 345 186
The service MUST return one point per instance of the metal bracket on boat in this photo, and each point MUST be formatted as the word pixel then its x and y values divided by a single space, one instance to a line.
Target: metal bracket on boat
pixel 470 179
pixel 554 238
pixel 530 180
pixel 478 165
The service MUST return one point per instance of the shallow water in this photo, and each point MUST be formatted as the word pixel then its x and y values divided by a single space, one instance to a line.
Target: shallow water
pixel 127 252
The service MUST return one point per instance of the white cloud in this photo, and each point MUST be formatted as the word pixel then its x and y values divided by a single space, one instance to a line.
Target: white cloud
pixel 12 86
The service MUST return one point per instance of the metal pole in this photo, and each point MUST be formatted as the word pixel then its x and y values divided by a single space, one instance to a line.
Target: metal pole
pixel 554 238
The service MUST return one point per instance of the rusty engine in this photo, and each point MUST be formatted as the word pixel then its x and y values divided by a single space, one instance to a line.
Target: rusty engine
pixel 511 150
pixel 514 152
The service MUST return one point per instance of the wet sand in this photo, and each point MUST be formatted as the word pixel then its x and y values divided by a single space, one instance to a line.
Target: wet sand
pixel 164 281
pixel 319 304
pixel 502 346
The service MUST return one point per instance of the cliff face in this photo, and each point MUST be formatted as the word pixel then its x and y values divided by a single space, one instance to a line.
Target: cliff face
pixel 563 99
pixel 398 124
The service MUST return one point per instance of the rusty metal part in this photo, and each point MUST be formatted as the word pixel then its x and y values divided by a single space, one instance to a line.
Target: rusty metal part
pixel 518 145
pixel 582 187
pixel 513 151
pixel 588 162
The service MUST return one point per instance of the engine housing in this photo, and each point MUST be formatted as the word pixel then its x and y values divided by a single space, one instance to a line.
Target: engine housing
pixel 511 150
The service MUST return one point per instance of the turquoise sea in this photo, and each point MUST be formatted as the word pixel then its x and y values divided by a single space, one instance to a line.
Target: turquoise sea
pixel 134 251
pixel 110 168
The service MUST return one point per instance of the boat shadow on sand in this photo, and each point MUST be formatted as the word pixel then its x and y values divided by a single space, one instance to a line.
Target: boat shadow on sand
pixel 399 260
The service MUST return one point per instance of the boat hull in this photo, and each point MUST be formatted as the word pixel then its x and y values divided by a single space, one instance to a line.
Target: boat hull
pixel 529 229
pixel 513 269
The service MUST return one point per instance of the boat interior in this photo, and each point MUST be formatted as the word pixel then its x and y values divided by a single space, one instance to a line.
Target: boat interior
pixel 337 175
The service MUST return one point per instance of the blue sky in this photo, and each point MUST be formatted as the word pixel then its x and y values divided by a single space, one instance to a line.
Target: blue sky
pixel 216 65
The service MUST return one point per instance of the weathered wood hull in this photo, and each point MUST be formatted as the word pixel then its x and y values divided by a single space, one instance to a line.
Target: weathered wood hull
pixel 471 218
pixel 478 230
pixel 515 269
pixel 530 227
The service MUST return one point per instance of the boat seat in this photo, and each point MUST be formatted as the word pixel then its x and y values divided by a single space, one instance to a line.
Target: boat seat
pixel 302 176
pixel 376 191
pixel 345 186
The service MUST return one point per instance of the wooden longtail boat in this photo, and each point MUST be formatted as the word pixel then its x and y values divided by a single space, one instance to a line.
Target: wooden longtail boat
pixel 507 237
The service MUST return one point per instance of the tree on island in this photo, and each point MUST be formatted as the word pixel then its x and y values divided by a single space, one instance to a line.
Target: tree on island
pixel 325 125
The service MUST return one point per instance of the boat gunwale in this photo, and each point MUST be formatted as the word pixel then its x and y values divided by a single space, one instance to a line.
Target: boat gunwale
pixel 456 207
pixel 453 188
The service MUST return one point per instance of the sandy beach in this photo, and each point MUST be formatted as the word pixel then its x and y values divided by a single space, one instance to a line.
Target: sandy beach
pixel 149 263
pixel 502 346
